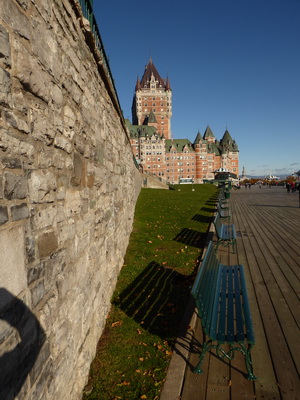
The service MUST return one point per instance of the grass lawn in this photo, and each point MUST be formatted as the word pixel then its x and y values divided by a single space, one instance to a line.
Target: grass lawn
pixel 168 236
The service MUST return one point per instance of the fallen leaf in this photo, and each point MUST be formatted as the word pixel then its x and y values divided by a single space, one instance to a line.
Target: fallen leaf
pixel 117 323
pixel 141 359
pixel 125 383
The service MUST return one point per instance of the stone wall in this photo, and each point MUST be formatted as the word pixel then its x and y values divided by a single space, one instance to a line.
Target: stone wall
pixel 68 188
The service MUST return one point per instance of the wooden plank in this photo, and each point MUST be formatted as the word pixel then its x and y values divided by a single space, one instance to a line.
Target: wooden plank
pixel 269 298
pixel 268 231
pixel 269 270
pixel 195 385
pixel 265 386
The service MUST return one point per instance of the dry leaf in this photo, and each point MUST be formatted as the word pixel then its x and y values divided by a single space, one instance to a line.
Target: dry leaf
pixel 117 323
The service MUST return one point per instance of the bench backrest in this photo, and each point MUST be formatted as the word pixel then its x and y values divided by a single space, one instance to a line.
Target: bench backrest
pixel 206 288
pixel 218 224
pixel 221 298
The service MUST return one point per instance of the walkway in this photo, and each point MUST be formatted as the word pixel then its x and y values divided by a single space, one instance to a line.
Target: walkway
pixel 267 221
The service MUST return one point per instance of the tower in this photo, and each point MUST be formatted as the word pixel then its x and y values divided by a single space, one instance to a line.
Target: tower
pixel 153 101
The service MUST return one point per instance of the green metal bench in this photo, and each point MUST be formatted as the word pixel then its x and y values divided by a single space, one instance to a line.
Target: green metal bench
pixel 226 233
pixel 221 298
pixel 223 204
pixel 224 212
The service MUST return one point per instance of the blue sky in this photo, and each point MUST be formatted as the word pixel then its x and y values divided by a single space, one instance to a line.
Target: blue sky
pixel 232 64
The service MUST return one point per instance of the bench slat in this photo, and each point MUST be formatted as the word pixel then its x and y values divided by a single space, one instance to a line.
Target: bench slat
pixel 247 313
pixel 221 298
pixel 223 308
pixel 230 308
pixel 239 312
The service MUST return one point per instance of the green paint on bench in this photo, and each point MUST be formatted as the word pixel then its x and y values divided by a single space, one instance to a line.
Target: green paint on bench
pixel 226 233
pixel 223 306
pixel 224 212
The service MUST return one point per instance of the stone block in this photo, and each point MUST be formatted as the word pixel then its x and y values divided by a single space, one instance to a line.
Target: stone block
pixel 45 217
pixel 42 186
pixel 15 186
pixel 37 293
pixel 69 117
pixel 57 95
pixel 42 359
pixel 5 87
pixel 4 46
pixel 30 73
pixel 42 130
pixel 12 163
pixel 11 14
pixel 63 143
pixel 5 331
pixel 47 244
pixel 3 215
pixel 23 4
pixel 35 273
pixel 19 212
pixel 12 261
pixel 72 202
pixel 30 249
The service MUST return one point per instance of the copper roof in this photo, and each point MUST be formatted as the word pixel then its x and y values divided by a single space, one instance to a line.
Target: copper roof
pixel 149 70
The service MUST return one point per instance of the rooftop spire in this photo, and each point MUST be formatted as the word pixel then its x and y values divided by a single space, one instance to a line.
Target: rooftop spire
pixel 149 71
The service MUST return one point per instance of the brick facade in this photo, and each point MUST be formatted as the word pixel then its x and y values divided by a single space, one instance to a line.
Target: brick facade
pixel 152 143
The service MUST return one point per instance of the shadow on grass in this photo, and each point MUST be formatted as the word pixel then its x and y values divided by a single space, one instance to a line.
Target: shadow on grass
pixel 192 238
pixel 211 209
pixel 156 299
pixel 203 218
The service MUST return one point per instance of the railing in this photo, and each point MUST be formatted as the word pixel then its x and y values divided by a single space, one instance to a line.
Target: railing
pixel 87 10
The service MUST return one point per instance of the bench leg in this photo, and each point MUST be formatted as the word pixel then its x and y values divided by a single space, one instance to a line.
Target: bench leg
pixel 247 354
pixel 206 348
pixel 233 245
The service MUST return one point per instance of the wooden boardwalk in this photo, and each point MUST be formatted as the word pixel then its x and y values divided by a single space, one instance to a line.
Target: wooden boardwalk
pixel 267 222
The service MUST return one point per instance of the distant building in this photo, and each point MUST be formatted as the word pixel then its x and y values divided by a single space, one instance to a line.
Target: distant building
pixel 155 149
pixel 244 176
pixel 272 178
pixel 152 101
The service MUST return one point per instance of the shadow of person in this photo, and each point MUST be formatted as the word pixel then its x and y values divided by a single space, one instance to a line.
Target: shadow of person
pixel 16 363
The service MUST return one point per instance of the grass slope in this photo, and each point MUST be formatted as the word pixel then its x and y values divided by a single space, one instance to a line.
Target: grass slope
pixel 153 287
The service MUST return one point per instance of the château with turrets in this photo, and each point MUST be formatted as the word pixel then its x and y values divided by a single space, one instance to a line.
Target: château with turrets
pixel 154 147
